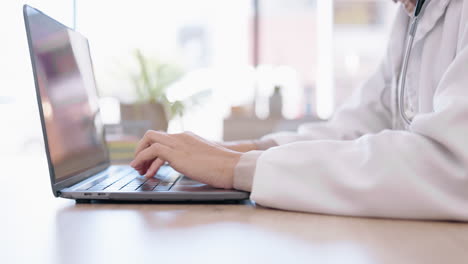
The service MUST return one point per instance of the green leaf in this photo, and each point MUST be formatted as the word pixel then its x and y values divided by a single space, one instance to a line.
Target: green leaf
pixel 152 81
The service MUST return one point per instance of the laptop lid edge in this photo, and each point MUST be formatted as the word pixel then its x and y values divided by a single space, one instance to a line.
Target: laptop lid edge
pixel 56 186
pixel 38 98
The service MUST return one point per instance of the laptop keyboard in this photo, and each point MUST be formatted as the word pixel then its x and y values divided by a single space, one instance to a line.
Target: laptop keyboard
pixel 128 180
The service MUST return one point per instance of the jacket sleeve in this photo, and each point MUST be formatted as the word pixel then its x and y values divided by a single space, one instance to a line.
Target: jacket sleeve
pixel 421 173
pixel 364 113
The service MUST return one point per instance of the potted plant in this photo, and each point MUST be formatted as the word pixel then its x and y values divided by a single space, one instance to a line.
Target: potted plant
pixel 151 81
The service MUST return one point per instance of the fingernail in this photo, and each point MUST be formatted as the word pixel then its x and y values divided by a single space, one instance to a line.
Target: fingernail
pixel 132 163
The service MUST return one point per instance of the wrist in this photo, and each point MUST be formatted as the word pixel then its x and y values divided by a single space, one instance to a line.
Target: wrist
pixel 240 146
pixel 231 161
pixel 264 144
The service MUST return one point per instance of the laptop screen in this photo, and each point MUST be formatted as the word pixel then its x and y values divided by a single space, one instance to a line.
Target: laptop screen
pixel 67 92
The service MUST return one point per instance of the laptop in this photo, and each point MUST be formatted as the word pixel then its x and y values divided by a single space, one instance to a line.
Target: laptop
pixel 77 154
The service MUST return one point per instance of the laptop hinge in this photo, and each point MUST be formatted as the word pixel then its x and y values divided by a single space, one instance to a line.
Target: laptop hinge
pixel 79 177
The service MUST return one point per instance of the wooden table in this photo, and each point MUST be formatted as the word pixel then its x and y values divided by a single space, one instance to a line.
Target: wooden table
pixel 35 228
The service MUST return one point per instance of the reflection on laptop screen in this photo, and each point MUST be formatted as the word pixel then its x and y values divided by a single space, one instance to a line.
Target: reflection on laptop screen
pixel 66 86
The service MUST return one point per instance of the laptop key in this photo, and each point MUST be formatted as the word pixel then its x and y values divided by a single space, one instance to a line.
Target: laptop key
pixel 116 186
pixel 153 180
pixel 147 187
pixel 134 184
pixel 163 186
pixel 96 188
pixel 150 184
pixel 108 180
pixel 112 188
pixel 128 188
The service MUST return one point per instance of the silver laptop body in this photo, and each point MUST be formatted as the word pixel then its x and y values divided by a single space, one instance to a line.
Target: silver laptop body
pixel 76 151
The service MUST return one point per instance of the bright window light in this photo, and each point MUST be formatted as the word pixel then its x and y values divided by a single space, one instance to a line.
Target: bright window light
pixel 325 89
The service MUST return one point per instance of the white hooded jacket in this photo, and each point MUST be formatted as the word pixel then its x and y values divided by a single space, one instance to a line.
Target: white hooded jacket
pixel 365 162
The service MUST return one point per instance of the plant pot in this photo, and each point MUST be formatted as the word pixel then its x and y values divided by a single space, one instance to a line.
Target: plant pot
pixel 152 112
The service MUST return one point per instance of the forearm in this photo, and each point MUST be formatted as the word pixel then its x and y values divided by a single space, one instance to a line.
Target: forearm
pixel 249 145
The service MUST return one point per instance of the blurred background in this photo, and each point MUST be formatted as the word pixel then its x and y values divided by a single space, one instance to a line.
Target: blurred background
pixel 226 70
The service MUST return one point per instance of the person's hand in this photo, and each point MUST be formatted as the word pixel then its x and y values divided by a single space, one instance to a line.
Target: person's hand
pixel 189 154
pixel 240 146
pixel 409 5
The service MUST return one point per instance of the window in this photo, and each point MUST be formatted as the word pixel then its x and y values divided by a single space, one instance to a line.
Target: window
pixel 209 38
pixel 319 51
pixel 331 46
pixel 360 32
pixel 288 55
